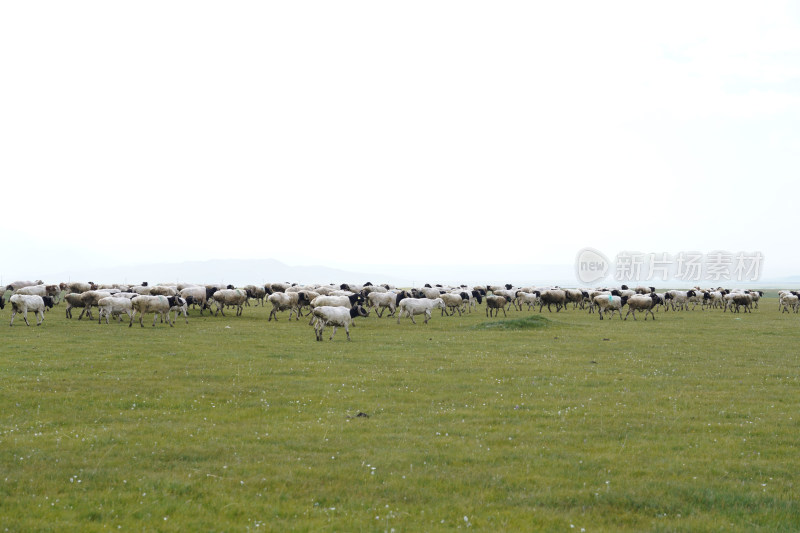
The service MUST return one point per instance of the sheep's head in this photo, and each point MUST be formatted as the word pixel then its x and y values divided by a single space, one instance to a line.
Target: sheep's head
pixel 48 301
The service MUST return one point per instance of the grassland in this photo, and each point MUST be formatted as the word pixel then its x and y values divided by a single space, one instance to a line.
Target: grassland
pixel 552 422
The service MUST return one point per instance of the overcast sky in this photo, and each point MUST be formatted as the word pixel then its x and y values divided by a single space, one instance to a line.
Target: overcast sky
pixel 368 133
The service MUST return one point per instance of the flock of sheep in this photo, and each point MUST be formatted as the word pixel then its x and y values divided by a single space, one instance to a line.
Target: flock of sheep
pixel 338 305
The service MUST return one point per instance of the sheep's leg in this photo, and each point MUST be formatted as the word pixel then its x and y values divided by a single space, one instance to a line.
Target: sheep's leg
pixel 334 333
pixel 347 330
pixel 40 317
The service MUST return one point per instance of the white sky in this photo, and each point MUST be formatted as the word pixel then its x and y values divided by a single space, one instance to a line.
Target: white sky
pixel 364 133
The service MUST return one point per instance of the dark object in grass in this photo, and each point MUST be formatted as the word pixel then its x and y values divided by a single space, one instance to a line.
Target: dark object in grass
pixel 359 415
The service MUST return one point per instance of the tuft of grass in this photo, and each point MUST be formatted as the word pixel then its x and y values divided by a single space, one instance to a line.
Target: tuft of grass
pixel 528 322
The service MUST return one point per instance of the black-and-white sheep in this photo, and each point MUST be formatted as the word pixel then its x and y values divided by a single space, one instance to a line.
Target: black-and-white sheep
pixel 22 303
pixel 336 317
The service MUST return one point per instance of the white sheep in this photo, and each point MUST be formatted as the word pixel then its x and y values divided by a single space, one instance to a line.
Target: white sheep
pixel 418 306
pixel 22 303
pixel 232 297
pixel 158 305
pixel 337 317
pixel 789 300
pixel 281 301
pixel 16 285
pixel 114 306
pixel 452 302
pixel 606 303
pixel 40 290
pixel 381 301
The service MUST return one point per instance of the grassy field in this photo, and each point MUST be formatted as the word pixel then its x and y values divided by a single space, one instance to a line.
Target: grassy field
pixel 557 421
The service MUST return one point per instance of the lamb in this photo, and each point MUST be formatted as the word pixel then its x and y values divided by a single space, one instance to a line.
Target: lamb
pixel 641 302
pixel 232 297
pixel 326 315
pixel 22 303
pixel 494 304
pixel 419 306
pixel 158 305
pixel 114 306
pixel 610 303
pixel 281 301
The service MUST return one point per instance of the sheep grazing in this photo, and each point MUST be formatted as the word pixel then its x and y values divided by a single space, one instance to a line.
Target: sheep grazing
pixel 419 306
pixel 336 317
pixel 114 306
pixel 494 304
pixel 641 302
pixel 606 303
pixel 158 305
pixel 232 297
pixel 22 303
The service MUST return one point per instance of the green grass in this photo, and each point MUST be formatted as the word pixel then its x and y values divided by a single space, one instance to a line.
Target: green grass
pixel 685 423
